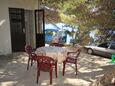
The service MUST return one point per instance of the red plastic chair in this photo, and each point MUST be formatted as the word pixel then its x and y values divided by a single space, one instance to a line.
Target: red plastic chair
pixel 46 64
pixel 71 58
pixel 29 50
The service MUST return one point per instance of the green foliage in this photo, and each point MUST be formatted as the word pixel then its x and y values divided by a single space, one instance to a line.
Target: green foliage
pixel 86 14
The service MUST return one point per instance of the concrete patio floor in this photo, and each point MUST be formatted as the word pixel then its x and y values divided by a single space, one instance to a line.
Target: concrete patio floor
pixel 13 71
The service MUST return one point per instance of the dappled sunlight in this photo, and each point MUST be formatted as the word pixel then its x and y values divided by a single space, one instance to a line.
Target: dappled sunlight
pixel 87 61
pixel 84 69
pixel 22 59
pixel 2 22
pixel 90 67
pixel 8 83
pixel 73 82
pixel 2 73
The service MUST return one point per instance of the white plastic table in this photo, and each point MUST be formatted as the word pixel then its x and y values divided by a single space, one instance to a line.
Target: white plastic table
pixel 57 53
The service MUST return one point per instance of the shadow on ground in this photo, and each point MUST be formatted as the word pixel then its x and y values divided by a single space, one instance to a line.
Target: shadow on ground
pixel 13 71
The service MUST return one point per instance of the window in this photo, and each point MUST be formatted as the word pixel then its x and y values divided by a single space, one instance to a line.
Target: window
pixel 112 46
pixel 104 45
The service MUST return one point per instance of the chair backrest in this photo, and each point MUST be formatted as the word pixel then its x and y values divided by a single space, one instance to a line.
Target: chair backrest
pixel 33 56
pixel 57 44
pixel 28 49
pixel 78 52
pixel 45 63
pixel 75 54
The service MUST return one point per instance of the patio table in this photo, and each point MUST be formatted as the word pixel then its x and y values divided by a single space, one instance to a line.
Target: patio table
pixel 57 53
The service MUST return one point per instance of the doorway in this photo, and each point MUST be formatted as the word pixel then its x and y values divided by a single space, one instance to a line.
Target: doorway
pixel 39 26
pixel 17 28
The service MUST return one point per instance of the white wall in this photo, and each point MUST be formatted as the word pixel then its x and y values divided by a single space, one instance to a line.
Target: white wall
pixel 26 4
pixel 5 38
pixel 29 27
pixel 5 41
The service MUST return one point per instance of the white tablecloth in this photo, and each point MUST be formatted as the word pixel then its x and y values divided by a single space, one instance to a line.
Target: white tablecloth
pixel 56 53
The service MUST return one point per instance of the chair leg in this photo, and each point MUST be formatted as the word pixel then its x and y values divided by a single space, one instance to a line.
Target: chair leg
pixel 31 62
pixel 76 67
pixel 51 76
pixel 38 75
pixel 28 64
pixel 56 70
pixel 38 72
pixel 64 67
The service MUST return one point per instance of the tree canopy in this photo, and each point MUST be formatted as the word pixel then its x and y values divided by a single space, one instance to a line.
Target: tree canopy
pixel 87 14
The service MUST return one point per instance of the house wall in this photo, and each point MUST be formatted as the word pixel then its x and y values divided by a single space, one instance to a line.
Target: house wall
pixel 5 37
pixel 29 25
pixel 26 4
pixel 5 41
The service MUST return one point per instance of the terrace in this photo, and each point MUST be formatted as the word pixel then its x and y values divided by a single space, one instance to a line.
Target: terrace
pixel 13 71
